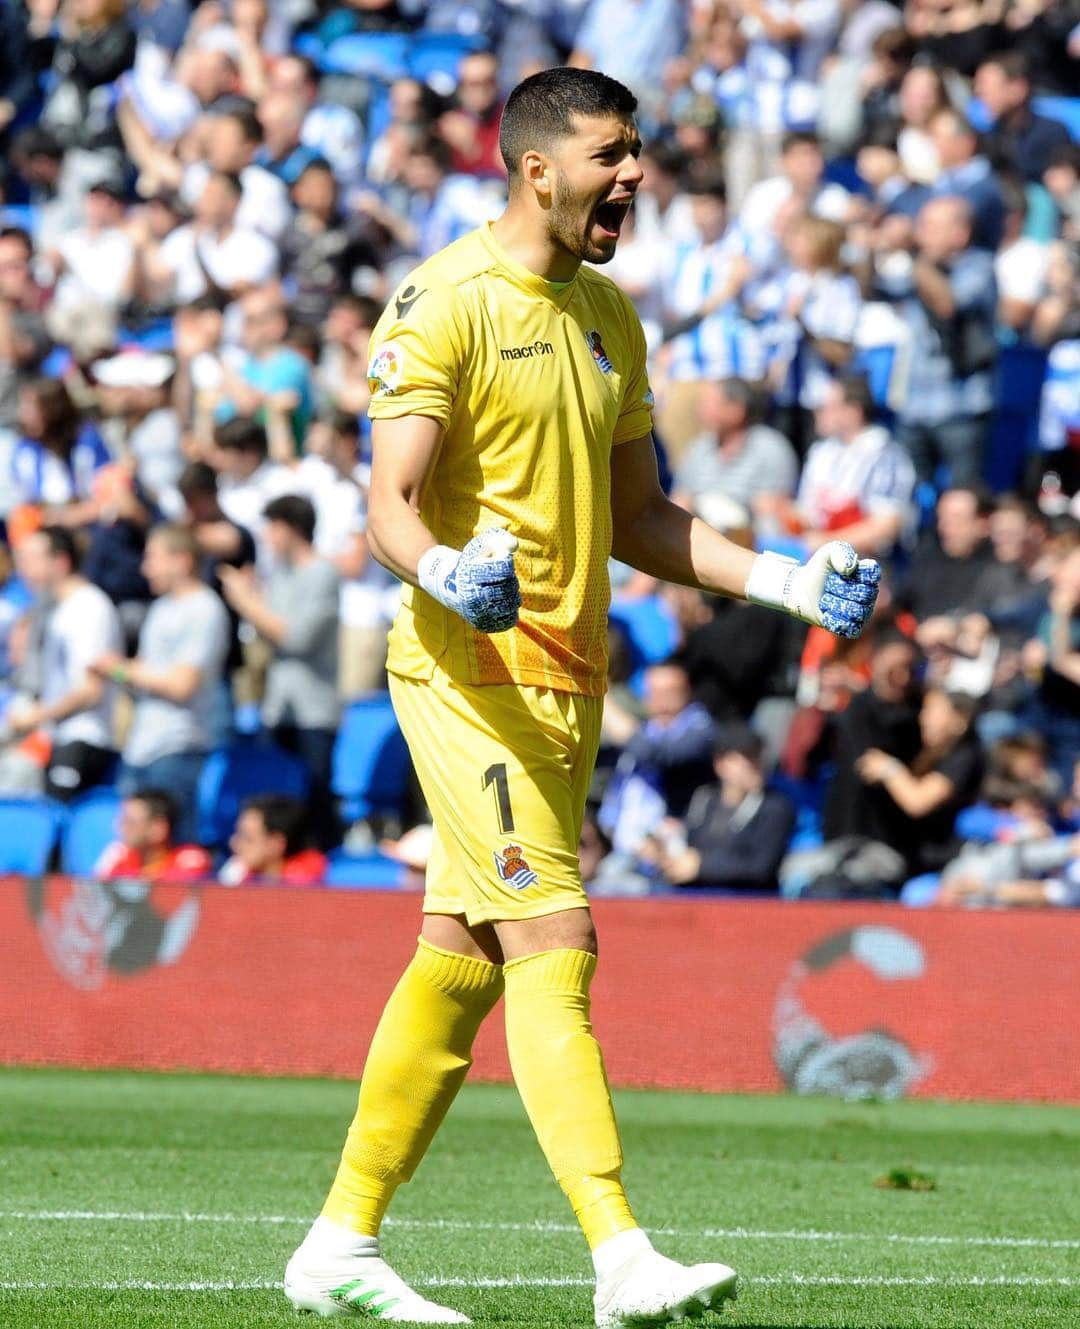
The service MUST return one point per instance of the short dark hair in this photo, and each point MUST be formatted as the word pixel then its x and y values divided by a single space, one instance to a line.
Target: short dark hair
pixel 242 114
pixel 881 134
pixel 737 736
pixel 855 391
pixel 197 478
pixel 795 138
pixel 17 233
pixel 344 423
pixel 62 541
pixel 1013 64
pixel 365 307
pixel 281 815
pixel 230 180
pixel 541 109
pixel 984 499
pixel 241 434
pixel 1064 154
pixel 706 179
pixel 294 511
pixel 160 806
pixel 671 157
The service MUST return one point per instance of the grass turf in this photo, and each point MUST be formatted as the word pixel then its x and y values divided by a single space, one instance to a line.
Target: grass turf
pixel 98 1170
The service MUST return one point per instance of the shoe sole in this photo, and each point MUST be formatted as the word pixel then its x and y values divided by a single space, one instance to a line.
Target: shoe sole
pixel 711 1297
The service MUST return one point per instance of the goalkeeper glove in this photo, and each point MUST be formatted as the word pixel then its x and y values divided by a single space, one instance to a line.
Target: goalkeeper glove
pixel 479 582
pixel 834 589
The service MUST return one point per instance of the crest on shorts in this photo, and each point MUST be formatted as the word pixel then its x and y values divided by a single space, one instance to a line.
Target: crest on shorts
pixel 512 867
pixel 596 345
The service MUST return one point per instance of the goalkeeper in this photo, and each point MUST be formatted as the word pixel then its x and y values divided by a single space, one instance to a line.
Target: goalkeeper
pixel 512 456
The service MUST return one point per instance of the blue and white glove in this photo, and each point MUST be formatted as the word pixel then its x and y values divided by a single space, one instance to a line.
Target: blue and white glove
pixel 834 589
pixel 479 582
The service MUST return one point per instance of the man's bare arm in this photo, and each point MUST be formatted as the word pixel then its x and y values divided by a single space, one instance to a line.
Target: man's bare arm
pixel 403 454
pixel 657 536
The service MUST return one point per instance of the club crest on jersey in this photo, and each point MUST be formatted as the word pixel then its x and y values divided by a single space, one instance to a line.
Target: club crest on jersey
pixel 385 370
pixel 512 867
pixel 596 345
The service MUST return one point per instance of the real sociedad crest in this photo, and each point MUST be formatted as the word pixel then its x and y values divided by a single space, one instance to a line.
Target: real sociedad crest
pixel 512 867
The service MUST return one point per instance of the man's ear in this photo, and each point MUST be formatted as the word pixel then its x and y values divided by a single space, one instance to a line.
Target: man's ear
pixel 536 173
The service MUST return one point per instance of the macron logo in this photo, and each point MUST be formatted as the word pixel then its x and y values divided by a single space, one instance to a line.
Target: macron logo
pixel 526 352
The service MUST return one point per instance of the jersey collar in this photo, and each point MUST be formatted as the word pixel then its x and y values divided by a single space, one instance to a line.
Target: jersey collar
pixel 521 276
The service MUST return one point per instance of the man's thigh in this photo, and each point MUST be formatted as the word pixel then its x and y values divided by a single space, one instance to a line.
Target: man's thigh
pixel 505 771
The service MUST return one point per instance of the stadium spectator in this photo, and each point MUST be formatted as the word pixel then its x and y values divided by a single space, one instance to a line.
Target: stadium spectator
pixel 174 677
pixel 283 152
pixel 94 46
pixel 75 706
pixel 334 479
pixel 330 130
pixel 947 296
pixel 799 182
pixel 56 461
pixel 965 173
pixel 1021 140
pixel 630 42
pixel 954 567
pixel 298 617
pixel 735 472
pixel 212 254
pixel 942 777
pixel 1062 180
pixel 269 845
pixel 883 718
pixel 922 95
pixel 145 848
pixel 322 252
pixel 1053 657
pixel 271 383
pixel 735 831
pixel 661 765
pixel 134 393
pixel 230 139
pixel 857 483
pixel 471 126
pixel 1020 265
pixel 24 342
pixel 93 265
pixel 247 479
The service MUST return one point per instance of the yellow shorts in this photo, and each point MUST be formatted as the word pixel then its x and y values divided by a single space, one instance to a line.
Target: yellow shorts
pixel 505 770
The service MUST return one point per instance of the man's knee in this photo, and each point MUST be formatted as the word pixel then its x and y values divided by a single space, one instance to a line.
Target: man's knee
pixel 569 929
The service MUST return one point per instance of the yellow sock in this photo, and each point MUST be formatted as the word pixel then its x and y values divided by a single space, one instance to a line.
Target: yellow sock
pixel 559 1071
pixel 417 1062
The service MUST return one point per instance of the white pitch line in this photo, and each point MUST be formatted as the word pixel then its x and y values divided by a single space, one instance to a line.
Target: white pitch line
pixel 767 1280
pixel 540 1226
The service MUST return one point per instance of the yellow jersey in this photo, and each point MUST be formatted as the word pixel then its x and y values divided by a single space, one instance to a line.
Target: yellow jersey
pixel 533 385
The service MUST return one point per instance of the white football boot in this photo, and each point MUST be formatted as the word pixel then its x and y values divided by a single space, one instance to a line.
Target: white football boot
pixel 334 1272
pixel 646 1288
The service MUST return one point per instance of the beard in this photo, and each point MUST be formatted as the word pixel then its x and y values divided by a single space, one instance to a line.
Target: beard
pixel 570 224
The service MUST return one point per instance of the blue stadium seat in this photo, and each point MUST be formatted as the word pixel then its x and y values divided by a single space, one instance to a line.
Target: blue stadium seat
pixel 90 828
pixel 29 828
pixel 1066 110
pixel 233 774
pixel 649 626
pixel 381 55
pixel 808 796
pixel 363 871
pixel 434 57
pixel 371 761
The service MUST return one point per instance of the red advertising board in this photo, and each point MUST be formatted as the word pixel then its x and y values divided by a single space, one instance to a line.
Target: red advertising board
pixel 704 994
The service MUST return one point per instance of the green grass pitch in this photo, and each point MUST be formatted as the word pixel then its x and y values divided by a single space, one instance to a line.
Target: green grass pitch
pixel 131 1200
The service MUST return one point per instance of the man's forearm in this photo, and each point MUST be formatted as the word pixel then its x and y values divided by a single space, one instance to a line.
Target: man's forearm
pixel 397 537
pixel 669 543
pixel 933 288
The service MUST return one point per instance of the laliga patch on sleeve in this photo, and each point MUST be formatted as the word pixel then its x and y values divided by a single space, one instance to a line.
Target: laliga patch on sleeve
pixel 385 370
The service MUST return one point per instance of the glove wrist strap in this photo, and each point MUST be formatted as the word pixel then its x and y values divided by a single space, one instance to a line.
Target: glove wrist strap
pixel 770 581
pixel 433 568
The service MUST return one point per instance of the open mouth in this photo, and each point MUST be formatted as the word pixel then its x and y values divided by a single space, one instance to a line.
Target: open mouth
pixel 610 216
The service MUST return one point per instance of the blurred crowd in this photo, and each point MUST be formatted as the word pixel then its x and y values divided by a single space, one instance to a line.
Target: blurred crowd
pixel 856 255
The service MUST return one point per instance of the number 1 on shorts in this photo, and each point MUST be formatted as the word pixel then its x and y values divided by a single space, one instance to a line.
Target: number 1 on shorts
pixel 496 775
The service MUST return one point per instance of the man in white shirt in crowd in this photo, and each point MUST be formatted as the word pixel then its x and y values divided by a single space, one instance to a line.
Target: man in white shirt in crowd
pixel 857 482
pixel 76 705
pixel 800 178
pixel 94 264
pixel 336 482
pixel 214 253
pixel 231 138
pixel 247 479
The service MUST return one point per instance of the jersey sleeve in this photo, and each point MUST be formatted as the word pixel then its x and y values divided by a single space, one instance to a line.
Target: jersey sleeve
pixel 417 352
pixel 635 415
